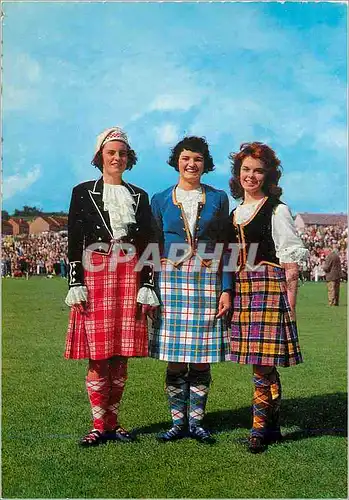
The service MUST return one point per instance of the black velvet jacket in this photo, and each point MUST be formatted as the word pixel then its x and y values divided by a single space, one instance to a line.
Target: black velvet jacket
pixel 89 224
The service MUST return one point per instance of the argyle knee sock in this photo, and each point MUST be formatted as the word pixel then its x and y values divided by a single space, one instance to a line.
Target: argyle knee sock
pixel 275 389
pixel 98 393
pixel 199 383
pixel 262 401
pixel 177 394
pixel 117 381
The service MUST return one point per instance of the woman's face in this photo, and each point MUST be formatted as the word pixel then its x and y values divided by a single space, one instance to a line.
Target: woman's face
pixel 114 156
pixel 190 165
pixel 252 176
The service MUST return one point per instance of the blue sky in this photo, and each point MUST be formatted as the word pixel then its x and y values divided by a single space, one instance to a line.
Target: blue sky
pixel 232 72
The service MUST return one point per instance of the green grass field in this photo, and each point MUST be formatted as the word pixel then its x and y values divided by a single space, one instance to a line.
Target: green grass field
pixel 45 411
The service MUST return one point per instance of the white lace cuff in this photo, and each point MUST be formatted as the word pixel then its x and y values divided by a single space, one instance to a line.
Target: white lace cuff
pixel 147 296
pixel 293 254
pixel 76 295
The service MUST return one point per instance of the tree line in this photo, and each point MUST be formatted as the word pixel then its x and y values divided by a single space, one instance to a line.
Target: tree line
pixel 28 212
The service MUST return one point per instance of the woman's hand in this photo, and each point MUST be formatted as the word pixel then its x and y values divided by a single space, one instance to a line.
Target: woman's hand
pixel 149 311
pixel 80 307
pixel 224 304
pixel 291 271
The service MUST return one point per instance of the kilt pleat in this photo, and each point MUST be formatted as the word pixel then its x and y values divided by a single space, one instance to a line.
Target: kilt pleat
pixel 110 326
pixel 186 329
pixel 263 331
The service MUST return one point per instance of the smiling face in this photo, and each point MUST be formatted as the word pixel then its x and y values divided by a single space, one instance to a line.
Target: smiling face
pixel 191 166
pixel 114 157
pixel 252 176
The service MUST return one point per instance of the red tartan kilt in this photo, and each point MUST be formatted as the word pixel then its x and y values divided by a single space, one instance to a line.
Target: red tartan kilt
pixel 110 326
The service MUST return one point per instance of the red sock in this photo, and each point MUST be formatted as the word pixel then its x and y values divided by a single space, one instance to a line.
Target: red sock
pixel 117 381
pixel 98 393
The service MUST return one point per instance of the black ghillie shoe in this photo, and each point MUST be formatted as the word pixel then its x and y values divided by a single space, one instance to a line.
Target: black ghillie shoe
pixel 201 435
pixel 256 444
pixel 273 436
pixel 93 438
pixel 118 434
pixel 176 432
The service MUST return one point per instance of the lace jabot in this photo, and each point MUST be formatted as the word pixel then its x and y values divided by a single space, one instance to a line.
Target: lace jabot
pixel 120 205
pixel 189 200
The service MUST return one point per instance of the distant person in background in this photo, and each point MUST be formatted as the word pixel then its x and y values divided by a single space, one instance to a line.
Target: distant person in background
pixel 333 270
pixel 23 267
pixel 63 267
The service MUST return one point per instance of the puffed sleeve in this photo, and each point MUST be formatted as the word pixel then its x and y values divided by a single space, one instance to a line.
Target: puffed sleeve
pixel 288 245
pixel 75 240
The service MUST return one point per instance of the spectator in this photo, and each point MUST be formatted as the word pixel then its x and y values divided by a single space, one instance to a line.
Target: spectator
pixel 332 268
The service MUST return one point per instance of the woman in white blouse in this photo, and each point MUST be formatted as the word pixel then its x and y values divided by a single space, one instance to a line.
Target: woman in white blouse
pixel 263 330
pixel 109 226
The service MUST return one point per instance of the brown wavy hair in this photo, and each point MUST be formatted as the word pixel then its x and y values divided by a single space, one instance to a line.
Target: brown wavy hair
pixel 271 163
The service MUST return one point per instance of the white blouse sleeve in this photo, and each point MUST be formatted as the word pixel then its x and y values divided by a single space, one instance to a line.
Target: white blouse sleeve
pixel 147 296
pixel 76 295
pixel 288 245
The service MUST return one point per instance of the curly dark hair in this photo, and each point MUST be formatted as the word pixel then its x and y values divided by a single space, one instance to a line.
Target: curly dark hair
pixel 131 159
pixel 195 144
pixel 271 163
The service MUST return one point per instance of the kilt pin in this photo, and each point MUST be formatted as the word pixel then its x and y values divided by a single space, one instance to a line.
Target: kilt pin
pixel 263 329
pixel 186 329
pixel 111 326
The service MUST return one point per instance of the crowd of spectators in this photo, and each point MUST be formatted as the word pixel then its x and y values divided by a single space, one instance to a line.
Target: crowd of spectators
pixel 320 240
pixel 40 254
pixel 46 253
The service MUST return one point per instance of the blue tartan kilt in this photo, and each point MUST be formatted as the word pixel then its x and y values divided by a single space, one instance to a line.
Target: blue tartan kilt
pixel 186 329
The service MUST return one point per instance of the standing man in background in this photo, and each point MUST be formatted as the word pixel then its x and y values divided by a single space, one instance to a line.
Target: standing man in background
pixel 333 270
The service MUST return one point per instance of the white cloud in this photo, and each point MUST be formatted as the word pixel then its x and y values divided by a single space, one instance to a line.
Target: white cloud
pixel 335 137
pixel 166 134
pixel 307 187
pixel 169 102
pixel 19 182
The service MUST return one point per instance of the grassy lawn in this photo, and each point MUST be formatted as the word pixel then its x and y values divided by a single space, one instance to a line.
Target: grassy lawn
pixel 45 411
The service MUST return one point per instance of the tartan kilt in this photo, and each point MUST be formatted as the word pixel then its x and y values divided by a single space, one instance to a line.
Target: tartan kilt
pixel 186 329
pixel 263 331
pixel 110 326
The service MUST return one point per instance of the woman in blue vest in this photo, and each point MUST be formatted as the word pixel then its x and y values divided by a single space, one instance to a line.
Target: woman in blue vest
pixel 264 331
pixel 190 332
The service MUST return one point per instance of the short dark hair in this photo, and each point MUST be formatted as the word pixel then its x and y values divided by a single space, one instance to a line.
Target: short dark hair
pixel 131 159
pixel 195 144
pixel 271 163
